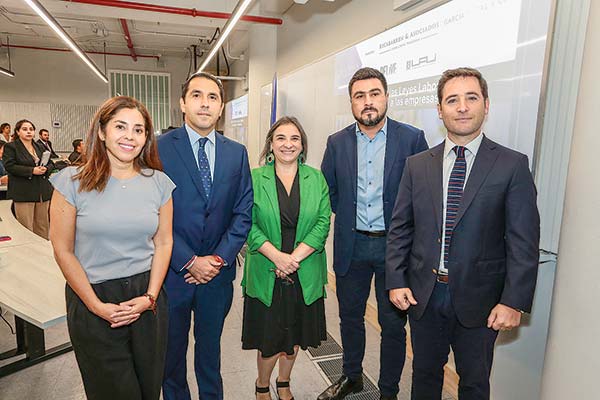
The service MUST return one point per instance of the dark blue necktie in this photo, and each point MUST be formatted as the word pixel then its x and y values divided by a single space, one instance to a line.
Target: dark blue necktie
pixel 204 167
pixel 455 192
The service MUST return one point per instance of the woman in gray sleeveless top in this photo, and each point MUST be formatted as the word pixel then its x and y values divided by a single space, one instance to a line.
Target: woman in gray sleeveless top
pixel 110 226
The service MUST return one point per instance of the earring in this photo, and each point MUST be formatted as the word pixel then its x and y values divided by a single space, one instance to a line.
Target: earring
pixel 301 158
pixel 270 159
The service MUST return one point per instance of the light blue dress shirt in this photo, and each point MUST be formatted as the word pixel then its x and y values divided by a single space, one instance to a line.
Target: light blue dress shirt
pixel 369 188
pixel 209 148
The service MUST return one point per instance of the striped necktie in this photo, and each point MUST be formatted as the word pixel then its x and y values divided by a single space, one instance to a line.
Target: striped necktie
pixel 455 192
pixel 204 167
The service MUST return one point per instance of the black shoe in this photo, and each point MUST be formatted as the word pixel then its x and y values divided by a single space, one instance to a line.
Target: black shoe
pixel 382 397
pixel 342 388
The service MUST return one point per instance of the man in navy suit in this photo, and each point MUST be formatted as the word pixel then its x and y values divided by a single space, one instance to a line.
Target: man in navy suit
pixel 363 165
pixel 212 212
pixel 463 243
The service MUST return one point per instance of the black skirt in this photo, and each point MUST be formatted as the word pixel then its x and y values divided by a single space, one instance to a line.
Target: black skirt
pixel 288 322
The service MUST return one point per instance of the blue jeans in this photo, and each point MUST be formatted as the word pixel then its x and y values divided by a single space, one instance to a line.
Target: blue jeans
pixel 353 290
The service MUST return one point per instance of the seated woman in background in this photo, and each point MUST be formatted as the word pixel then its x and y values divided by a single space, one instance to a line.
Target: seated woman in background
pixel 111 229
pixel 286 268
pixel 5 132
pixel 28 184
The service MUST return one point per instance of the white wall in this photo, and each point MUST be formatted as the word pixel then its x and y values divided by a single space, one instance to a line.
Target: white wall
pixel 572 362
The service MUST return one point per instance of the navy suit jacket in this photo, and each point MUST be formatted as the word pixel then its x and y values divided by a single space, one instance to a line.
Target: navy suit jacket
pixel 340 169
pixel 219 225
pixel 494 250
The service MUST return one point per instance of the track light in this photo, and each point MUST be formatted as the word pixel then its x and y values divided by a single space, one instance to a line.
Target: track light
pixel 49 19
pixel 238 12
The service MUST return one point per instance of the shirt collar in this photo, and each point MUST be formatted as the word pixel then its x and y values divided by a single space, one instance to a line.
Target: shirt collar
pixel 382 130
pixel 472 146
pixel 194 136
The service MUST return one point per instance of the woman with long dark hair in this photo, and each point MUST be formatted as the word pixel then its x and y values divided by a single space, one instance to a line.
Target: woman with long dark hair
pixel 28 185
pixel 111 229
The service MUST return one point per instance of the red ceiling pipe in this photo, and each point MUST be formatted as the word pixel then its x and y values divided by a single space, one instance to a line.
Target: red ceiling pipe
pixel 68 50
pixel 176 10
pixel 128 39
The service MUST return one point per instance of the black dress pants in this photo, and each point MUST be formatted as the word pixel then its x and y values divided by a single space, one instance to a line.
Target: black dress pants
pixel 125 362
pixel 432 337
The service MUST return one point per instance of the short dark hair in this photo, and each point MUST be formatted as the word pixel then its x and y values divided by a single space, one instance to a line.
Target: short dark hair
pixel 76 143
pixel 367 73
pixel 204 75
pixel 462 72
pixel 286 120
pixel 4 125
pixel 43 130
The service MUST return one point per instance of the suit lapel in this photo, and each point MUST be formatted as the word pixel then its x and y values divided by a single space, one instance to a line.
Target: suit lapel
pixel 351 152
pixel 270 190
pixel 184 149
pixel 305 189
pixel 392 145
pixel 484 161
pixel 220 166
pixel 436 186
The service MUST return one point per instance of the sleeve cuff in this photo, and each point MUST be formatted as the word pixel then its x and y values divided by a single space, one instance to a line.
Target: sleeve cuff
pixel 188 264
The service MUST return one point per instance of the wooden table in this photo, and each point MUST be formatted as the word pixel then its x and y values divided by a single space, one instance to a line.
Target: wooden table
pixel 32 288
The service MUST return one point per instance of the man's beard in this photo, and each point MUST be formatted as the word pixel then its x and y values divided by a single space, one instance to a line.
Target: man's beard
pixel 369 120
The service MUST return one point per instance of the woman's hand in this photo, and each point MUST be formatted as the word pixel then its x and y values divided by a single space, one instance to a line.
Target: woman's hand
pixel 39 170
pixel 286 263
pixel 116 314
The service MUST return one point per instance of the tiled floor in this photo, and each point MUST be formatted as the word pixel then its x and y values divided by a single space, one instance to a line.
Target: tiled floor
pixel 59 377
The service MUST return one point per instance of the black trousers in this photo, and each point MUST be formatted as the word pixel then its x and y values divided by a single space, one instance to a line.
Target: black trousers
pixel 433 335
pixel 119 363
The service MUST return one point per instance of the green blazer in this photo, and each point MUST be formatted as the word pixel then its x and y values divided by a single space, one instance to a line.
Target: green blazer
pixel 312 230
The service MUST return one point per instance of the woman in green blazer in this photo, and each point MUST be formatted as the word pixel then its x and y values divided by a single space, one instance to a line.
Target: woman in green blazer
pixel 286 267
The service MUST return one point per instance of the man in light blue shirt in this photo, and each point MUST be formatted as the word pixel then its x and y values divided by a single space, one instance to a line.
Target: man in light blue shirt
pixel 363 164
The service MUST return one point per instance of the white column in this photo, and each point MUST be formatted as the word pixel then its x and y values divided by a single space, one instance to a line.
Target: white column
pixel 262 61
pixel 572 355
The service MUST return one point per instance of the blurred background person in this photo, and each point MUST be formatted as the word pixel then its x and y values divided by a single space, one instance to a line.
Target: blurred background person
pixel 45 142
pixel 28 184
pixel 286 267
pixel 5 132
pixel 75 156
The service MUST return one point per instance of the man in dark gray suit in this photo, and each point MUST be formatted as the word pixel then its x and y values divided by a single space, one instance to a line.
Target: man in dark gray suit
pixel 462 251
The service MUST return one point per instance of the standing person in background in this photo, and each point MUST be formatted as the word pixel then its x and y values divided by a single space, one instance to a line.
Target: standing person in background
pixel 75 156
pixel 45 142
pixel 463 243
pixel 28 184
pixel 211 219
pixel 286 267
pixel 363 164
pixel 5 132
pixel 112 236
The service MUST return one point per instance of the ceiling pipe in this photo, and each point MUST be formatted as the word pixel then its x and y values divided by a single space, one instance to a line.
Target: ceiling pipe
pixel 192 12
pixel 128 39
pixel 88 52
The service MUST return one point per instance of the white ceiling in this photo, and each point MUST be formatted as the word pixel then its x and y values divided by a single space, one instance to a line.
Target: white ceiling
pixel 152 34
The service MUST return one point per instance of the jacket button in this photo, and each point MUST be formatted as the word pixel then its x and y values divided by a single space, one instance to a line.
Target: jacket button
pixel 439 240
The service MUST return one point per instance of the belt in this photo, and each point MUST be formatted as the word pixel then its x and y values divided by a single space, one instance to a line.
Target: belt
pixel 374 234
pixel 441 278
